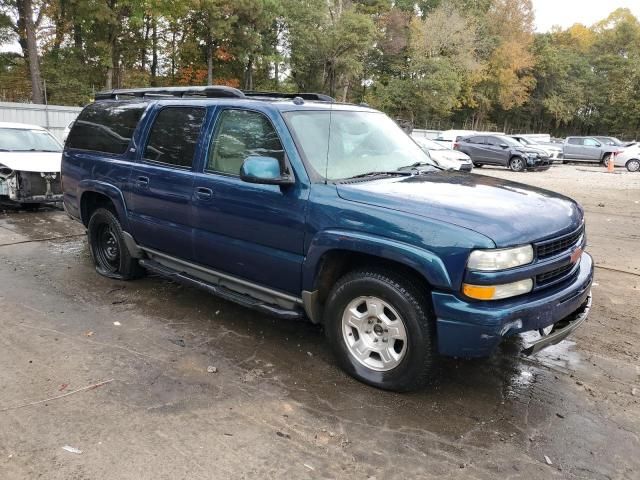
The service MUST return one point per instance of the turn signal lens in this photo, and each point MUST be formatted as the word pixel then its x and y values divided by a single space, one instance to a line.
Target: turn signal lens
pixel 497 292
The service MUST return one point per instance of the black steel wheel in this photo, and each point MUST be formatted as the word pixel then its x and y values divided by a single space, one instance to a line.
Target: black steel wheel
pixel 108 248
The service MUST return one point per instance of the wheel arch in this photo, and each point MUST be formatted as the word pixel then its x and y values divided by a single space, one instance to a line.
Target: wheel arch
pixel 94 194
pixel 333 254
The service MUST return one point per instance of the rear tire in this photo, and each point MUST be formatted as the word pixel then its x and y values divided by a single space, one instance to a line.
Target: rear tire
pixel 517 164
pixel 477 165
pixel 381 329
pixel 108 248
pixel 633 165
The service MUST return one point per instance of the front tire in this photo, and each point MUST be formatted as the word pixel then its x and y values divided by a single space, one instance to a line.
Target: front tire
pixel 517 164
pixel 108 248
pixel 633 165
pixel 381 329
pixel 606 159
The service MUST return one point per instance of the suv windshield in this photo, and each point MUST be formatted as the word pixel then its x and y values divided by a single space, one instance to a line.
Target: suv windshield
pixel 345 144
pixel 23 140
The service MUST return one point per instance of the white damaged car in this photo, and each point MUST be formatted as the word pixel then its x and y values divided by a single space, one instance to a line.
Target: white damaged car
pixel 29 165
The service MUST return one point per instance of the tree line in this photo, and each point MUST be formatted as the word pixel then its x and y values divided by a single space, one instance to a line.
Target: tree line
pixel 432 63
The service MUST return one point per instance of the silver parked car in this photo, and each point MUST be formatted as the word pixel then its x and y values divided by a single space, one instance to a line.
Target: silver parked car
pixel 588 149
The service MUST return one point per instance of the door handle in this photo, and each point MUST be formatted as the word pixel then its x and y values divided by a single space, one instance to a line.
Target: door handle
pixel 142 182
pixel 204 193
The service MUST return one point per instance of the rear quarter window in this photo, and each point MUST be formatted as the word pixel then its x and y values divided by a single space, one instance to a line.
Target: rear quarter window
pixel 106 127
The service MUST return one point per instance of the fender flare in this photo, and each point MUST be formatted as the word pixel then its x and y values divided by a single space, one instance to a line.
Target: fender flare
pixel 108 190
pixel 427 263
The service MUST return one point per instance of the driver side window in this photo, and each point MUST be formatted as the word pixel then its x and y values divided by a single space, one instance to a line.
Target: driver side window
pixel 240 134
pixel 590 142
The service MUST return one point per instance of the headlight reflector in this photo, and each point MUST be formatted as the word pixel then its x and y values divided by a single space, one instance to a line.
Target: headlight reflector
pixel 500 259
pixel 497 292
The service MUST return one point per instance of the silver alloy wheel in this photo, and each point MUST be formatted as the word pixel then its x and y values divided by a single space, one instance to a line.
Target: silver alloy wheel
pixel 516 164
pixel 633 165
pixel 374 333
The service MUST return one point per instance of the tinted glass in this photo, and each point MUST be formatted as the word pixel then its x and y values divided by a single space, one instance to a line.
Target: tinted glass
pixel 477 140
pixel 502 139
pixel 106 126
pixel 590 142
pixel 575 141
pixel 174 136
pixel 241 134
pixel 23 140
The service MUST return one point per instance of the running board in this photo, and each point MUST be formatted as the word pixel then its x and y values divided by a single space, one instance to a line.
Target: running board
pixel 222 292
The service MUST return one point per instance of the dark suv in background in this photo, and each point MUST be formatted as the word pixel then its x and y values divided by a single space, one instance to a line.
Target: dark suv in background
pixel 503 151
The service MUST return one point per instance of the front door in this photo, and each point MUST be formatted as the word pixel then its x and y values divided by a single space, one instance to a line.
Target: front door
pixel 496 154
pixel 251 231
pixel 161 214
pixel 592 149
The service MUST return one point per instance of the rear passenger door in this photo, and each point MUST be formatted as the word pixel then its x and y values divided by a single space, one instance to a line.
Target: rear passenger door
pixel 474 147
pixel 162 181
pixel 251 231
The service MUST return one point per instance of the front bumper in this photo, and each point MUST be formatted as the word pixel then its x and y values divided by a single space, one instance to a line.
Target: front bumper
pixel 475 328
pixel 539 164
pixel 32 187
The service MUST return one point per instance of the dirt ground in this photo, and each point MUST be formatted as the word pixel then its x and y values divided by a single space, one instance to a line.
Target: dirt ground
pixel 277 406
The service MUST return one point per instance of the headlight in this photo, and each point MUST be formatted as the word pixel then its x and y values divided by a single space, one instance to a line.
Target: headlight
pixel 497 292
pixel 500 259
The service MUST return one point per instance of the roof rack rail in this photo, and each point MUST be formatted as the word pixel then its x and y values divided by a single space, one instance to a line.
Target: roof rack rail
pixel 212 91
pixel 320 97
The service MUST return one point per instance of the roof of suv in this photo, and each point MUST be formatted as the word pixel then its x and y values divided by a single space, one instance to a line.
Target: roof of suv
pixel 222 95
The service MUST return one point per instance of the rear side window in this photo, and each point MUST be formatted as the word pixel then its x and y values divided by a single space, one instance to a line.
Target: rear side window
pixel 575 141
pixel 106 127
pixel 174 136
pixel 478 140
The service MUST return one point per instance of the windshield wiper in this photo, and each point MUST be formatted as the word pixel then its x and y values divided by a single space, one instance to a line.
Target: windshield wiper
pixel 36 150
pixel 379 174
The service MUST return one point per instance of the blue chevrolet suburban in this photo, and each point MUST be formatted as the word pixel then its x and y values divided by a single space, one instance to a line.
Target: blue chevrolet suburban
pixel 301 207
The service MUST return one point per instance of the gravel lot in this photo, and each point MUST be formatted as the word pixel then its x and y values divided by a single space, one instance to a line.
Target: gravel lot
pixel 277 406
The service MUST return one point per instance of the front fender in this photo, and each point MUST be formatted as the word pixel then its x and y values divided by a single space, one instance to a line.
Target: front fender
pixel 108 190
pixel 428 264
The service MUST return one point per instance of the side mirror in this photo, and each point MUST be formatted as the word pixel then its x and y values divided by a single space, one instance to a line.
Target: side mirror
pixel 504 145
pixel 264 170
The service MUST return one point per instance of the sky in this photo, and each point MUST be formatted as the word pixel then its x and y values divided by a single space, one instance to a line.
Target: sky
pixel 567 12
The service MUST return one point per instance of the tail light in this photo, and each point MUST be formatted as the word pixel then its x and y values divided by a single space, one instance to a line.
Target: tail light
pixel 455 145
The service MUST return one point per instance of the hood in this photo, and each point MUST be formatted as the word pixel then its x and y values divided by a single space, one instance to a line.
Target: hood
pixel 32 161
pixel 509 213
pixel 449 155
pixel 529 150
